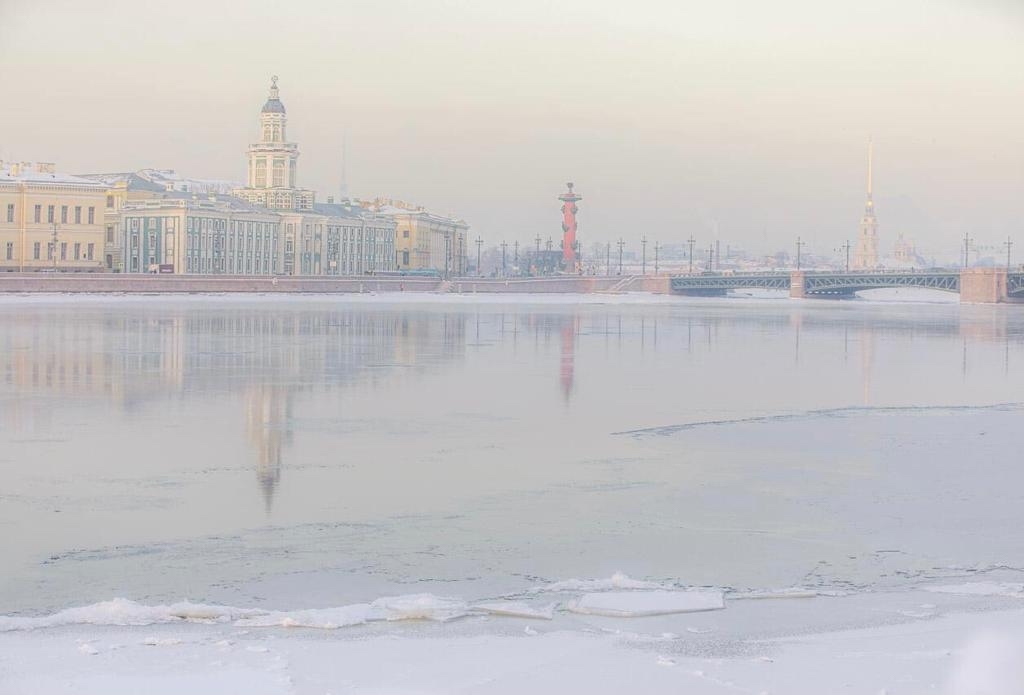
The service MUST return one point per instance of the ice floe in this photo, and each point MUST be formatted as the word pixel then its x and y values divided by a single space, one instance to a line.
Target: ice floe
pixel 1012 589
pixel 616 581
pixel 516 609
pixel 420 607
pixel 634 604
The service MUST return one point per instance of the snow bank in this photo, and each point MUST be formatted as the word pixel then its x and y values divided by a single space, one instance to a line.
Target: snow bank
pixel 990 664
pixel 120 611
pixel 634 604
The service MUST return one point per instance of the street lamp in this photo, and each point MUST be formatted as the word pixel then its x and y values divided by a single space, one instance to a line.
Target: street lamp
pixel 799 246
pixel 846 247
pixel 53 246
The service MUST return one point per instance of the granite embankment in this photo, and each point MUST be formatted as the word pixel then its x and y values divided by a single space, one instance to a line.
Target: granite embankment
pixel 108 283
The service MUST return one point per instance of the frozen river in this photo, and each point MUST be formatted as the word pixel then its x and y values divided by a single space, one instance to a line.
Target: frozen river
pixel 301 453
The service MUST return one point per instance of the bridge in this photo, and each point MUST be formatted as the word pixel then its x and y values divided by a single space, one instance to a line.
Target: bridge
pixel 975 285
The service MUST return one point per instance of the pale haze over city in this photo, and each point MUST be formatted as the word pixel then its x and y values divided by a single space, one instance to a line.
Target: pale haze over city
pixel 441 347
pixel 681 117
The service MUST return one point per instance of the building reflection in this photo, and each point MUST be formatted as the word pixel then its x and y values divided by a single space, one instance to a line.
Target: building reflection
pixel 265 359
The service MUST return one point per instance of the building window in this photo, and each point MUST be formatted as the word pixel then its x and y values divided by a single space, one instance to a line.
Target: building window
pixel 92 215
pixel 10 250
pixel 35 251
pixel 63 250
pixel 10 212
pixel 78 251
pixel 405 258
pixel 63 214
pixel 405 233
pixel 110 202
pixel 110 234
pixel 78 214
pixel 50 214
pixel 90 249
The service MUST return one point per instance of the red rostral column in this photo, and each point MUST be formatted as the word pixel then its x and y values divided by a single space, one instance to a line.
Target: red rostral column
pixel 569 211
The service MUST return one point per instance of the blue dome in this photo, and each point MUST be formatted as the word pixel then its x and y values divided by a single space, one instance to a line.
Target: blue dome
pixel 273 106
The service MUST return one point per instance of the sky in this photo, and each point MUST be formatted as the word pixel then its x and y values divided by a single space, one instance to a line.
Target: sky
pixel 743 119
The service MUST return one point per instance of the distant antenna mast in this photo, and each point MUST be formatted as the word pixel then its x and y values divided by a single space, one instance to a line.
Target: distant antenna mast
pixel 344 166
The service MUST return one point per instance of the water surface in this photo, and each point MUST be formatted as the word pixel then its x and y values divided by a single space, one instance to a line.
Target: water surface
pixel 318 451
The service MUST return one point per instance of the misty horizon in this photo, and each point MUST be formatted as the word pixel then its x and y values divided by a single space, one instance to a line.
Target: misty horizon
pixel 671 120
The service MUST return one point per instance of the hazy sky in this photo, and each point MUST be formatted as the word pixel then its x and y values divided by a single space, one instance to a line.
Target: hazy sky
pixel 671 117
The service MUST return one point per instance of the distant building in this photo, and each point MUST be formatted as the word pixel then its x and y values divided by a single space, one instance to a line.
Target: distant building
pixel 273 162
pixel 167 223
pixel 424 240
pixel 49 220
pixel 865 256
pixel 206 236
pixel 905 254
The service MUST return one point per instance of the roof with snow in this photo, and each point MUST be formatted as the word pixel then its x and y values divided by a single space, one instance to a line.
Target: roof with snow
pixel 27 174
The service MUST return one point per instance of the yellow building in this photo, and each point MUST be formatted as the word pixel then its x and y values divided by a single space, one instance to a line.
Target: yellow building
pixel 49 221
pixel 425 240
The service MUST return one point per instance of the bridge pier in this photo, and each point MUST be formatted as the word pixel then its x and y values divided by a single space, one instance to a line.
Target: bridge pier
pixel 797 287
pixel 984 286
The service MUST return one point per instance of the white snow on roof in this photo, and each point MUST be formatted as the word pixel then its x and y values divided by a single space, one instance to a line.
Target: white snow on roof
pixel 30 175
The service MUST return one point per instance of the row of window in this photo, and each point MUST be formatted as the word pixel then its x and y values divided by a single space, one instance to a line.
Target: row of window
pixel 51 214
pixel 37 248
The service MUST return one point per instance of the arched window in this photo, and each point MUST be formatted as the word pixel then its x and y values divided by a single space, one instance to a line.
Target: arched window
pixel 277 133
pixel 266 133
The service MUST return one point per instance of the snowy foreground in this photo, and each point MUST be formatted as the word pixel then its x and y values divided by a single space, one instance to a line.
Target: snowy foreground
pixel 612 636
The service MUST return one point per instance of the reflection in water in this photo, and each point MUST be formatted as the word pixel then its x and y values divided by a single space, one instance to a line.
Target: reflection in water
pixel 143 356
pixel 570 326
pixel 268 412
pixel 136 356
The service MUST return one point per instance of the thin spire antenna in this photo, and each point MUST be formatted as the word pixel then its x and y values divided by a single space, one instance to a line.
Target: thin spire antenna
pixel 870 157
pixel 344 165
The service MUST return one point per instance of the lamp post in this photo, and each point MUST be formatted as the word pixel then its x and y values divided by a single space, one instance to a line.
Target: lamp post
pixel 799 247
pixel 621 243
pixel 53 246
pixel 1009 245
pixel 479 243
pixel 846 247
pixel 643 255
pixel 691 241
pixel 655 257
pixel 503 247
pixel 967 249
pixel 608 259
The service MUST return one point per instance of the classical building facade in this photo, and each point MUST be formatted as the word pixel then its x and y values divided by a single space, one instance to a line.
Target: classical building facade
pixel 273 162
pixel 215 235
pixel 49 221
pixel 425 240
